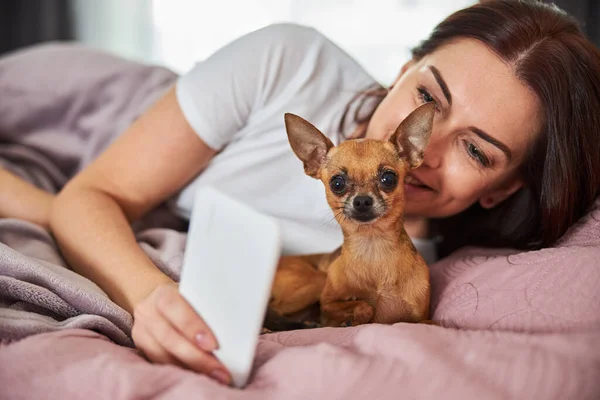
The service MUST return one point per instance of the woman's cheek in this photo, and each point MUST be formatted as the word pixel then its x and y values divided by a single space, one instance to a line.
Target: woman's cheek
pixel 465 186
pixel 457 179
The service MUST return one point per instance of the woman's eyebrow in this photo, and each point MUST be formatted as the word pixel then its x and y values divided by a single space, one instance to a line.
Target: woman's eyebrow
pixel 442 83
pixel 492 140
pixel 488 138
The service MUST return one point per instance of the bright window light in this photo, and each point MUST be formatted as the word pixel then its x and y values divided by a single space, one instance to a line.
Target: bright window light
pixel 379 34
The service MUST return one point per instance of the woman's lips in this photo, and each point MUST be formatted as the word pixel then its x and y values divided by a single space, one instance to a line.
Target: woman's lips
pixel 413 185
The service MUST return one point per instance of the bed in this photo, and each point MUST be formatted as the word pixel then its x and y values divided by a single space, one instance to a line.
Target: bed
pixel 513 324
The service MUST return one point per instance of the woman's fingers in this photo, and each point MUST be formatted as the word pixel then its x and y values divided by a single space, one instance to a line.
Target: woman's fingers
pixel 186 352
pixel 168 331
pixel 182 316
pixel 151 348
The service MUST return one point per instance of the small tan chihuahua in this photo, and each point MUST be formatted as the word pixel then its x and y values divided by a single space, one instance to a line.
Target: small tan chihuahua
pixel 376 275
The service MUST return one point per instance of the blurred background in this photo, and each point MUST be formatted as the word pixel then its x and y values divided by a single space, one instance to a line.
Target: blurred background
pixel 178 33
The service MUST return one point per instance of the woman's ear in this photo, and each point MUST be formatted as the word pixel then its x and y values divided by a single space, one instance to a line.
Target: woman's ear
pixel 496 196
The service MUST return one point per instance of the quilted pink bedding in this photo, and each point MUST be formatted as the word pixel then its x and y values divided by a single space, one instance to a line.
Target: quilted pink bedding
pixel 516 325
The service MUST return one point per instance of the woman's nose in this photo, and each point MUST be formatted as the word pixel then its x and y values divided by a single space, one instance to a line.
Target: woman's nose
pixel 434 152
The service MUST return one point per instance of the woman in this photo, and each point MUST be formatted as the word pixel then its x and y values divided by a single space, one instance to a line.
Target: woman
pixel 512 160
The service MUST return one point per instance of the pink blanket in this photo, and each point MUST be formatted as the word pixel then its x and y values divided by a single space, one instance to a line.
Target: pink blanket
pixel 376 362
pixel 516 324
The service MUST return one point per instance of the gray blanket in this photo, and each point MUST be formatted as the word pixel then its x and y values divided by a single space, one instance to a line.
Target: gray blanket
pixel 60 106
pixel 38 293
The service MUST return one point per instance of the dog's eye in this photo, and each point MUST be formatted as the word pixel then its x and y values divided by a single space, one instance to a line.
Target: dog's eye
pixel 338 184
pixel 388 180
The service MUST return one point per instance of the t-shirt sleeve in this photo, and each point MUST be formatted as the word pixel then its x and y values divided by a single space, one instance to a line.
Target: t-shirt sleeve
pixel 220 94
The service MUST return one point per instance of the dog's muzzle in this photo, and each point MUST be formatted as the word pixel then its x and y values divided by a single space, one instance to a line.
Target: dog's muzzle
pixel 361 208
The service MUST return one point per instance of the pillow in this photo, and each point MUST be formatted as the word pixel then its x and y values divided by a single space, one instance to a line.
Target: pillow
pixel 550 290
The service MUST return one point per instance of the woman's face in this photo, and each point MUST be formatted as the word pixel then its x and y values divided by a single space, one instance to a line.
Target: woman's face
pixel 485 122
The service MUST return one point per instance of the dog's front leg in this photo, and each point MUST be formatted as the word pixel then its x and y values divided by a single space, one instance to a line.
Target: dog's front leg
pixel 391 310
pixel 341 308
pixel 346 313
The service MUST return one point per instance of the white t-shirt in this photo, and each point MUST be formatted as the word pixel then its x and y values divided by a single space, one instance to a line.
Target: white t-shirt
pixel 236 99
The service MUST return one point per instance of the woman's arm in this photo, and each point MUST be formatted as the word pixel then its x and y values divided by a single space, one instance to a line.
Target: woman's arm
pixel 92 215
pixel 91 220
pixel 20 199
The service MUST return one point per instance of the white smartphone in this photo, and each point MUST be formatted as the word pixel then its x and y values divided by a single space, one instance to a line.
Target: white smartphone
pixel 231 255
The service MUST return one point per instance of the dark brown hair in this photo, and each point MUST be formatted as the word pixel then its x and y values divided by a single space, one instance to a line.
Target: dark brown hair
pixel 550 54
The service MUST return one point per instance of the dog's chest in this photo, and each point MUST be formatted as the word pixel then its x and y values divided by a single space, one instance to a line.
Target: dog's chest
pixel 373 274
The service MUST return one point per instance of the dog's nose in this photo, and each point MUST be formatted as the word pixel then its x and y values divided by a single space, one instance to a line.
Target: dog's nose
pixel 362 203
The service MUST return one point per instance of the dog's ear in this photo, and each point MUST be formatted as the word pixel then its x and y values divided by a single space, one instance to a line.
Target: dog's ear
pixel 308 143
pixel 413 133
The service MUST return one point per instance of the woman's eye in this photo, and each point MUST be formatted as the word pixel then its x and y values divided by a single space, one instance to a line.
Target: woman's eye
pixel 426 97
pixel 476 154
pixel 388 180
pixel 338 184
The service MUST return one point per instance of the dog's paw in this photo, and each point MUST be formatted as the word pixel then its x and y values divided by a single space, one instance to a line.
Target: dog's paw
pixel 363 313
pixel 347 313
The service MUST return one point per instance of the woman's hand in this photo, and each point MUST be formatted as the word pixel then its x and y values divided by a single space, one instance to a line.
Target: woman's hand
pixel 168 331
